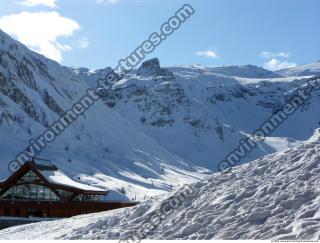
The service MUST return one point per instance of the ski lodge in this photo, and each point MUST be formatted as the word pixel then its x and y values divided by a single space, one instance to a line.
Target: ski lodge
pixel 40 189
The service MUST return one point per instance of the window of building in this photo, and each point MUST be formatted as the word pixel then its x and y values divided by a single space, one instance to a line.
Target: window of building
pixel 30 192
pixel 65 194
pixel 87 198
pixel 30 176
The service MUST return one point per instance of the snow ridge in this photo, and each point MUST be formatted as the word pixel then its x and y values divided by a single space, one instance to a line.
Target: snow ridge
pixel 275 197
pixel 304 70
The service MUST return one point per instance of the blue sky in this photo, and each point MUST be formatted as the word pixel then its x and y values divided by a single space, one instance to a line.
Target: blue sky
pixel 97 33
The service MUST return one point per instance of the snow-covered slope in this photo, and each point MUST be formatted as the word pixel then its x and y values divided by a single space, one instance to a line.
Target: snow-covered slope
pixel 304 70
pixel 245 71
pixel 91 76
pixel 101 148
pixel 204 111
pixel 275 197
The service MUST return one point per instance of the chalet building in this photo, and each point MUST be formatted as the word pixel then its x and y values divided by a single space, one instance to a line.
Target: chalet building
pixel 40 189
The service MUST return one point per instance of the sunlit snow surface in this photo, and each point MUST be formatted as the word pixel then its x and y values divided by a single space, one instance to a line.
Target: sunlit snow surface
pixel 275 197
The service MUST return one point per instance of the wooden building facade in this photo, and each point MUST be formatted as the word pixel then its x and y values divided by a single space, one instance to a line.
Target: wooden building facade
pixel 40 189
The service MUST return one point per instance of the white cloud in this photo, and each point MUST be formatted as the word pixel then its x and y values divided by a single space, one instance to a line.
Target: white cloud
pixel 40 31
pixel 207 53
pixel 107 2
pixel 275 64
pixel 269 54
pixel 83 42
pixel 64 47
pixel 32 3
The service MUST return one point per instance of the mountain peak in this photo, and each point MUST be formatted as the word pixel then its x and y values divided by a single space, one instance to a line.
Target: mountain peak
pixel 152 68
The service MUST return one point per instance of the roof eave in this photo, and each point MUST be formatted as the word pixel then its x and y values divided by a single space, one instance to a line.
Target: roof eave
pixel 31 166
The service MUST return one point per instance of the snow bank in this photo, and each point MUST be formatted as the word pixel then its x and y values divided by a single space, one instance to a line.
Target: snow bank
pixel 275 197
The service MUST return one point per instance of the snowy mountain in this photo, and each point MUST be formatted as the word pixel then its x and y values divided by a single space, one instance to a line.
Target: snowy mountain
pixel 245 71
pixel 204 112
pixel 304 70
pixel 101 148
pixel 153 129
pixel 274 197
pixel 91 76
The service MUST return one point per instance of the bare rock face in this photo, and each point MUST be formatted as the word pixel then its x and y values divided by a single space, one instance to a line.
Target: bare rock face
pixel 51 103
pixel 152 68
